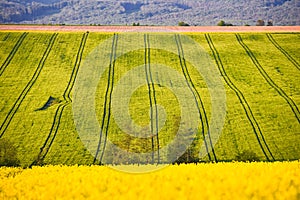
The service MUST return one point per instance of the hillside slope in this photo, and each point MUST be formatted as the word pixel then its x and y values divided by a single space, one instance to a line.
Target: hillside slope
pixel 239 93
pixel 146 12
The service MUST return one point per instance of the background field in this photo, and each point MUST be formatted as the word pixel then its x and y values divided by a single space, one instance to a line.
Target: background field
pixel 260 73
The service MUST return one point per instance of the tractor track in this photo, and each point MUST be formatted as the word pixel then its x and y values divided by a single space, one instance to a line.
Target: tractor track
pixel 6 36
pixel 152 98
pixel 107 101
pixel 255 126
pixel 289 101
pixel 12 53
pixel 284 52
pixel 198 101
pixel 59 111
pixel 28 87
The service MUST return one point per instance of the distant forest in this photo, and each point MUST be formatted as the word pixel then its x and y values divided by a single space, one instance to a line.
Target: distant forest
pixel 150 12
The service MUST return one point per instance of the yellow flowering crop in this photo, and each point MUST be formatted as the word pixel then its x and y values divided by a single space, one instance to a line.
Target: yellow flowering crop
pixel 279 180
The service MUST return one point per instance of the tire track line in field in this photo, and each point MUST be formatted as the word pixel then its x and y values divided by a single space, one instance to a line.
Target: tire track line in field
pixel 289 101
pixel 152 98
pixel 29 85
pixel 107 100
pixel 147 52
pixel 67 100
pixel 256 128
pixel 284 52
pixel 13 52
pixel 6 37
pixel 198 100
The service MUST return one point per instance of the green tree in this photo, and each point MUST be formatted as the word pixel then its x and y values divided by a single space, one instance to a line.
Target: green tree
pixel 270 23
pixel 8 154
pixel 221 23
pixel 247 156
pixel 189 156
pixel 181 23
pixel 260 22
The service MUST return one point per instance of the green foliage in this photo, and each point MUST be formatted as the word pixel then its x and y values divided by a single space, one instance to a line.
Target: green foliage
pixel 270 23
pixel 260 22
pixel 181 23
pixel 8 154
pixel 221 23
pixel 247 156
pixel 189 156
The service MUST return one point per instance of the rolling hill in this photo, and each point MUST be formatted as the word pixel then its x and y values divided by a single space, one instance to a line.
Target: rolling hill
pixel 117 98
pixel 149 12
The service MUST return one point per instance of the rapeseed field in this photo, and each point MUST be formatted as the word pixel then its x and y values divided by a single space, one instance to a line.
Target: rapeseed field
pixel 278 180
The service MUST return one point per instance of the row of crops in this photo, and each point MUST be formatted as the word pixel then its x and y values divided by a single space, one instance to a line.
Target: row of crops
pixel 155 97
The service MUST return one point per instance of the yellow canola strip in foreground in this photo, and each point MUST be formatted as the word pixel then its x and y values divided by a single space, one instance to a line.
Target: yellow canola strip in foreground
pixel 279 180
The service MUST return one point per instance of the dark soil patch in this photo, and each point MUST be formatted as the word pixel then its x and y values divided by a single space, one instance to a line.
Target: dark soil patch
pixel 51 101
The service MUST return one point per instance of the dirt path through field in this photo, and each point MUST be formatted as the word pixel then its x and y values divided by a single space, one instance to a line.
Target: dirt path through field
pixel 151 28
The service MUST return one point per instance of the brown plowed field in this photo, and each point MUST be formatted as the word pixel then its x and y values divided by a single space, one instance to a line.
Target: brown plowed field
pixel 151 28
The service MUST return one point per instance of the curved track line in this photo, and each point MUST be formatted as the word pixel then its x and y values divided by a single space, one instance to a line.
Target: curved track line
pixel 198 100
pixel 284 52
pixel 6 36
pixel 107 100
pixel 12 53
pixel 291 103
pixel 152 97
pixel 29 85
pixel 67 100
pixel 256 128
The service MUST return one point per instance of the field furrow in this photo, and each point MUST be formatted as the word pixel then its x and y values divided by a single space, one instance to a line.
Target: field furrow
pixel 289 42
pixel 289 101
pixel 12 53
pixel 243 101
pixel 149 98
pixel 4 36
pixel 106 116
pixel 198 101
pixel 147 69
pixel 16 76
pixel 29 85
pixel 277 65
pixel 270 110
pixel 79 55
pixel 288 56
pixel 8 41
pixel 59 112
pixel 152 99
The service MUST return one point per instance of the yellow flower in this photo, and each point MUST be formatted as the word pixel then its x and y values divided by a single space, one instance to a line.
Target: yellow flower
pixel 279 180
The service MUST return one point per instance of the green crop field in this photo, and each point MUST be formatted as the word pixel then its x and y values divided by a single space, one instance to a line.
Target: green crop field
pixel 155 97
